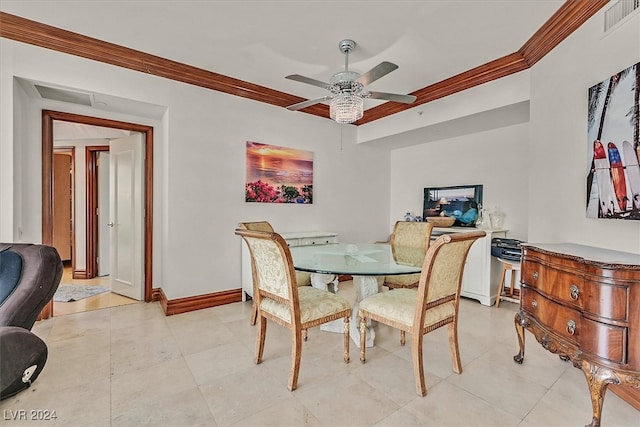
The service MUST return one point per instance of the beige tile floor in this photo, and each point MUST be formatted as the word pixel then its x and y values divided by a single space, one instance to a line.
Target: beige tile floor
pixel 132 366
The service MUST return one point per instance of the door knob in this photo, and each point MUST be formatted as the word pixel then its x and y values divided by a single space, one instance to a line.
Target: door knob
pixel 110 224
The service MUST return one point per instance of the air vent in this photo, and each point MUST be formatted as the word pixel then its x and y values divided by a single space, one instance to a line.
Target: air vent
pixel 64 95
pixel 618 12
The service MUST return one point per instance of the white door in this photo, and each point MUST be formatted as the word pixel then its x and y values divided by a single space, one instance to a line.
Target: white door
pixel 104 232
pixel 127 216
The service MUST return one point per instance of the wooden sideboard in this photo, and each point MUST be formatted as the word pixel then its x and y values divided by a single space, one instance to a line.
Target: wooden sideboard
pixel 583 303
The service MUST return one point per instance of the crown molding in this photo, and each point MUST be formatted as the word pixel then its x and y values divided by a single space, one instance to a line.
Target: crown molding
pixel 571 15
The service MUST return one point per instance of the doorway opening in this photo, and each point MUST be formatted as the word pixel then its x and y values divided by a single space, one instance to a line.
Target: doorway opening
pixel 90 214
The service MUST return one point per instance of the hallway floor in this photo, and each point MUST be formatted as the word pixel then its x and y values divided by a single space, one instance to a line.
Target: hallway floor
pixel 133 366
pixel 104 300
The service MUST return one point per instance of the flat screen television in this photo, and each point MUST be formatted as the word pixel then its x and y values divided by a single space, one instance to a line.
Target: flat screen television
pixel 463 202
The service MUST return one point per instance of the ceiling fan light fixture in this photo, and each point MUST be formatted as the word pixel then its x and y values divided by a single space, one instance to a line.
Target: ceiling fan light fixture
pixel 348 89
pixel 346 107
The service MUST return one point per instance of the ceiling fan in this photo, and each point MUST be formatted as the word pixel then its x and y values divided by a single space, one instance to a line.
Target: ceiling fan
pixel 348 88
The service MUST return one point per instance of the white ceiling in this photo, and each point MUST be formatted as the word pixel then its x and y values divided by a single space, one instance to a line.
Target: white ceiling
pixel 263 41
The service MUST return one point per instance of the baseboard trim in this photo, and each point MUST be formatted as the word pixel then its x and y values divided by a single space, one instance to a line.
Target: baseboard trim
pixel 197 302
pixel 80 274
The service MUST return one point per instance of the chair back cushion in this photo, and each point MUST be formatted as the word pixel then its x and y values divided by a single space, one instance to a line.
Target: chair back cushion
pixel 411 234
pixel 446 270
pixel 39 279
pixel 273 272
pixel 441 276
pixel 10 272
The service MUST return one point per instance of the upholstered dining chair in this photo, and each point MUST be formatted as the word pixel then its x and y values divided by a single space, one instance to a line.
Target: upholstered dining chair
pixel 302 278
pixel 433 305
pixel 406 237
pixel 279 299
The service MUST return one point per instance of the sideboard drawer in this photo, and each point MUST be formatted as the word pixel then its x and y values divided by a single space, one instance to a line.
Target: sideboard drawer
pixel 325 240
pixel 603 340
pixel 563 320
pixel 606 341
pixel 550 281
pixel 592 294
pixel 574 290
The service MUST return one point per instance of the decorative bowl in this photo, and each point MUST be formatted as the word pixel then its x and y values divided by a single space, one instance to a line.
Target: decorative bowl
pixel 441 221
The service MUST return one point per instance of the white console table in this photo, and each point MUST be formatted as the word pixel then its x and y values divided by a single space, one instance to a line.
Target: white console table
pixel 481 272
pixel 304 238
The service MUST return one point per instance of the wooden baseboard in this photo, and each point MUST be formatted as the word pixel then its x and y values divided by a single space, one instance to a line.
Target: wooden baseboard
pixel 197 302
pixel 80 274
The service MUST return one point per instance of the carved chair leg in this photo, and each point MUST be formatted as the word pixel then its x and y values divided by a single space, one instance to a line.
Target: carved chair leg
pixel 296 350
pixel 453 346
pixel 347 357
pixel 363 338
pixel 254 313
pixel 304 334
pixel 262 331
pixel 403 338
pixel 519 358
pixel 418 367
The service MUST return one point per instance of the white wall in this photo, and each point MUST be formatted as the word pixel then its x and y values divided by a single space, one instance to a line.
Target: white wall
pixel 558 143
pixel 199 176
pixel 535 172
pixel 496 158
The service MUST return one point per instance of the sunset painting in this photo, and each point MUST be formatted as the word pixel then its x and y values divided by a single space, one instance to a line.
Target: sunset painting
pixel 278 174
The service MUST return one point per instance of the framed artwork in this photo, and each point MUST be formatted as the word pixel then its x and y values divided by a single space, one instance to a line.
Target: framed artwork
pixel 613 181
pixel 278 174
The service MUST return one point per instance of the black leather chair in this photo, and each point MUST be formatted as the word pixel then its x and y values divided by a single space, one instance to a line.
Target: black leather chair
pixel 29 276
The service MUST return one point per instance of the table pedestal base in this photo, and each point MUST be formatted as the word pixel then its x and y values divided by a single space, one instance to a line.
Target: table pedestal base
pixel 328 282
pixel 364 286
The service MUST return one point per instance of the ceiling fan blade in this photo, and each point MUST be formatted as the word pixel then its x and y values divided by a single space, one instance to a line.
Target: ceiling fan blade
pixel 308 80
pixel 307 103
pixel 380 70
pixel 395 97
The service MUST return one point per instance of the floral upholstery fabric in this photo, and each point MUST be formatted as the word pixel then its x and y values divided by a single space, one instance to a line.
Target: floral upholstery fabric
pixel 413 234
pixel 403 280
pixel 302 278
pixel 314 304
pixel 409 242
pixel 270 266
pixel 446 271
pixel 399 306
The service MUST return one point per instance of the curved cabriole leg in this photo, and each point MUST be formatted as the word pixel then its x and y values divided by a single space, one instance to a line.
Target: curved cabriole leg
pixel 363 338
pixel 262 331
pixel 254 313
pixel 346 339
pixel 453 346
pixel 296 350
pixel 519 358
pixel 418 368
pixel 598 378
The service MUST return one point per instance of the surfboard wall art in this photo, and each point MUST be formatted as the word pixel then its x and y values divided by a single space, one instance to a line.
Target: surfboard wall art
pixel 613 180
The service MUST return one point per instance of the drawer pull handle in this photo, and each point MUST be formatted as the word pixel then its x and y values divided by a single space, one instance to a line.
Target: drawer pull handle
pixel 574 292
pixel 535 275
pixel 571 327
pixel 534 304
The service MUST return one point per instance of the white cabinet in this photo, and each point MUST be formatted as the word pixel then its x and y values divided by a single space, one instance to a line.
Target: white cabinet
pixel 481 272
pixel 305 238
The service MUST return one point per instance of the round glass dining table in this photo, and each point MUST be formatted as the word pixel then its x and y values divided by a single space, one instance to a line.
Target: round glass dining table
pixel 367 263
